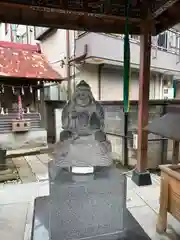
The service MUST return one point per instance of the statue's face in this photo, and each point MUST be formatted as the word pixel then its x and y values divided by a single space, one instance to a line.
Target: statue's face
pixel 83 97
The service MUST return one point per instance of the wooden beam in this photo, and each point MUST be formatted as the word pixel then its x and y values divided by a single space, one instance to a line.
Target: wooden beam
pixel 60 11
pixel 56 20
pixel 165 22
pixel 159 8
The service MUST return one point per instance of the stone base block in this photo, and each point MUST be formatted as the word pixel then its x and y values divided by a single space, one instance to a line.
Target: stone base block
pixel 30 139
pixel 41 226
pixel 141 178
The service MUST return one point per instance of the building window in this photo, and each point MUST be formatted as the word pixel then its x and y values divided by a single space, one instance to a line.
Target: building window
pixel 6 28
pixel 162 41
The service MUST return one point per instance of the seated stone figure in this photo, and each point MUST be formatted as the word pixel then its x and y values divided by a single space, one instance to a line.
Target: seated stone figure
pixel 83 142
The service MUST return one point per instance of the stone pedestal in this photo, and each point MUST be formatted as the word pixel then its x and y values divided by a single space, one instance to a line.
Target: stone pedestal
pixel 90 206
pixel 85 207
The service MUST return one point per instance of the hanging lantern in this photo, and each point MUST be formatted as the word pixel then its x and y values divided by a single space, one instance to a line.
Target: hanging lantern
pixel 22 90
pixel 2 111
pixel 2 88
pixel 30 89
pixel 13 90
pixel 27 110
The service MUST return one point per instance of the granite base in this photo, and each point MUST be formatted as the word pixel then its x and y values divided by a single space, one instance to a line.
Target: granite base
pixel 41 226
pixel 91 206
pixel 141 178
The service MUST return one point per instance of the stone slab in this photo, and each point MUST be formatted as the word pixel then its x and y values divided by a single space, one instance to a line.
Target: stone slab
pixel 38 167
pixel 24 170
pixel 30 139
pixel 19 193
pixel 83 207
pixel 12 221
pixel 90 202
pixel 41 226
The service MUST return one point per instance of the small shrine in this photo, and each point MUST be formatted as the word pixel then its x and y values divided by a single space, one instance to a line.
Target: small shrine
pixel 23 71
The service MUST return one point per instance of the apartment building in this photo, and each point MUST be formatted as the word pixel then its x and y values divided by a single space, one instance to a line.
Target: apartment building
pixel 101 61
pixel 17 33
pixel 98 59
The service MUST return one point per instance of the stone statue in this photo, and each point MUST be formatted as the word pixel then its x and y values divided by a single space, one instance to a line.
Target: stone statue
pixel 83 142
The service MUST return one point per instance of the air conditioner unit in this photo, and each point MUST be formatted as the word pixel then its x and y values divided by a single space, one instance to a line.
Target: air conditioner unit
pixel 168 93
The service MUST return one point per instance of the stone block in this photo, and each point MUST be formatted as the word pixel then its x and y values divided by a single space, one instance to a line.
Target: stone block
pixel 30 139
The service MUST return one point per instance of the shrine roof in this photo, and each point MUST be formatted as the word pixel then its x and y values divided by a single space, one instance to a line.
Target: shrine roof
pixel 92 15
pixel 167 125
pixel 25 61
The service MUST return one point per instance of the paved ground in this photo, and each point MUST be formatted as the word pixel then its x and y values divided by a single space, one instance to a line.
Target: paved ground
pixel 16 205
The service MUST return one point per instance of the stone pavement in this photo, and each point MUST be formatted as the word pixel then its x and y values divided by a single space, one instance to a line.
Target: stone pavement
pixel 16 208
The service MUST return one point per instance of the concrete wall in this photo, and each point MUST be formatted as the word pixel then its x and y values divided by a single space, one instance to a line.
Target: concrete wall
pixel 154 152
pixel 54 49
pixel 114 126
pixel 89 73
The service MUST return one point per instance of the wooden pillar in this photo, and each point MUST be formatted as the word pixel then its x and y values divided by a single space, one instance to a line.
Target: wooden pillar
pixel 175 153
pixel 140 175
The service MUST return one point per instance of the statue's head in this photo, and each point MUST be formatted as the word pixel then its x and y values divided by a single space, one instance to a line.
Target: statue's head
pixel 83 95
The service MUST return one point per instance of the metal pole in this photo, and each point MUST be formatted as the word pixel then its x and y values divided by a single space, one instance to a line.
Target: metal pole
pixel 125 140
pixel 68 73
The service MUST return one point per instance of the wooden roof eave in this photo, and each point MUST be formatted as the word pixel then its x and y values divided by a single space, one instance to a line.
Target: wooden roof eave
pixel 26 81
pixel 97 23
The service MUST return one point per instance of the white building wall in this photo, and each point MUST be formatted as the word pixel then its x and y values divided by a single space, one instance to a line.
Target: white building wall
pixel 112 83
pixel 20 33
pixel 3 35
pixel 89 73
pixel 54 49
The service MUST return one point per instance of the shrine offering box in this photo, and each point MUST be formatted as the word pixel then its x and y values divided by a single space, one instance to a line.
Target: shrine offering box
pixel 169 195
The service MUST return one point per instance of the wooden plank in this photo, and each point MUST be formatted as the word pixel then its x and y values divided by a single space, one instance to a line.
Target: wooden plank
pixel 29 152
pixel 170 170
pixel 162 217
pixel 170 196
pixel 175 153
pixel 158 10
